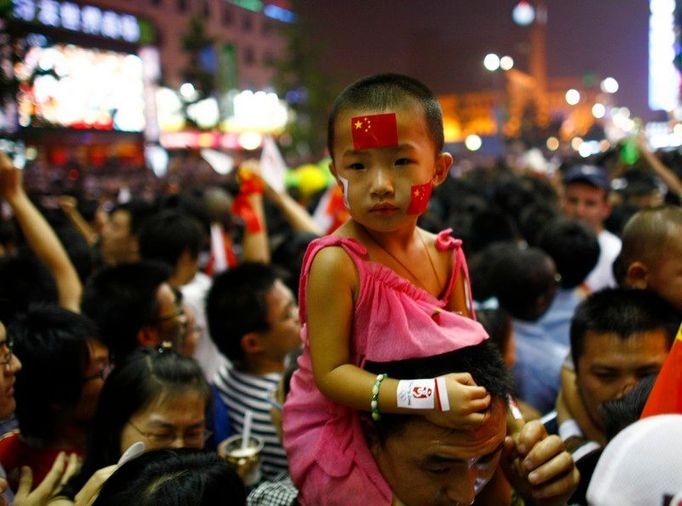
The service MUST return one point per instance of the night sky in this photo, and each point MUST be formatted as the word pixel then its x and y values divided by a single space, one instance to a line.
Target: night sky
pixel 443 42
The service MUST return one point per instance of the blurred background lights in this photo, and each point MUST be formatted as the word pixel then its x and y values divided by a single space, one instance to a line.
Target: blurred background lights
pixel 609 85
pixel 473 142
pixel 188 92
pixel 576 142
pixel 250 140
pixel 552 143
pixel 506 63
pixel 572 96
pixel 598 110
pixel 523 13
pixel 491 62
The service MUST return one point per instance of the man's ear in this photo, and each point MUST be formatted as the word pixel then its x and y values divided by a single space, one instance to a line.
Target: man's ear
pixel 443 164
pixel 637 275
pixel 148 337
pixel 251 343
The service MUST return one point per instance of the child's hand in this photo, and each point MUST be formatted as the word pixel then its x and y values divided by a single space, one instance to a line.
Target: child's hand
pixel 468 403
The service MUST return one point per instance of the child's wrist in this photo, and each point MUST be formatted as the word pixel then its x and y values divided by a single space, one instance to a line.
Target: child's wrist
pixel 429 394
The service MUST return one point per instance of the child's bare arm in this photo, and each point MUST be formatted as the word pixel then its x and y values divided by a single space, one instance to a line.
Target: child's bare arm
pixel 459 296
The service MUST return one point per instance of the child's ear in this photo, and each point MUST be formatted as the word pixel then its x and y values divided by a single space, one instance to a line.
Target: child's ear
pixel 443 164
pixel 251 343
pixel 637 275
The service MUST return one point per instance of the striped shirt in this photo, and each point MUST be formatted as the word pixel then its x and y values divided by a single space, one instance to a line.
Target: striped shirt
pixel 242 391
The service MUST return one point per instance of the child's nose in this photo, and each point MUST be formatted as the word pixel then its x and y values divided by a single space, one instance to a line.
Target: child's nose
pixel 382 183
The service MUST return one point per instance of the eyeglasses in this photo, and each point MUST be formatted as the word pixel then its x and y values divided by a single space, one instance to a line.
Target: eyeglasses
pixel 102 374
pixel 6 351
pixel 164 438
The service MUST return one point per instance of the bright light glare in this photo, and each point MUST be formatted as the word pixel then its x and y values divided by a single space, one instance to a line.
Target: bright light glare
pixel 473 142
pixel 609 85
pixel 187 91
pixel 250 140
pixel 572 96
pixel 523 13
pixel 598 111
pixel 552 143
pixel 491 62
pixel 506 63
pixel 576 142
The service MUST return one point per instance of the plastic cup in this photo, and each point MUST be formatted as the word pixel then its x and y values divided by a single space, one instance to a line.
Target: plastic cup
pixel 245 460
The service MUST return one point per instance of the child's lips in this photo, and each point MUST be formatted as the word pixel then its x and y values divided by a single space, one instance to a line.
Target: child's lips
pixel 383 208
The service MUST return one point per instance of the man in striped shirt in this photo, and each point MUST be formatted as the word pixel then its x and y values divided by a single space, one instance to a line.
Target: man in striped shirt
pixel 253 319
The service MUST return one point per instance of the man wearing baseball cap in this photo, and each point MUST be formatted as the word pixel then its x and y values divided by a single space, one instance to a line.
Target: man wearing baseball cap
pixel 586 198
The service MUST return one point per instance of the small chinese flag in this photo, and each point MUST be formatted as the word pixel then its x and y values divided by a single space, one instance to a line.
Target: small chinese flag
pixel 419 199
pixel 666 395
pixel 374 131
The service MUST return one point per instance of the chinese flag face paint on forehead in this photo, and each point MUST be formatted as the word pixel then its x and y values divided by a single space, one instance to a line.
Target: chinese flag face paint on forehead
pixel 374 131
pixel 419 198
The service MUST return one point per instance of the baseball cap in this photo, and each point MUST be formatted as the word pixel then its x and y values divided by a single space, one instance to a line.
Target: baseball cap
pixel 590 174
pixel 641 465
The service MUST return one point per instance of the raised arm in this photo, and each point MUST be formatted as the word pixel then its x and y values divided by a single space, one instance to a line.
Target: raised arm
pixel 40 236
pixel 249 206
pixel 667 175
pixel 68 205
pixel 296 215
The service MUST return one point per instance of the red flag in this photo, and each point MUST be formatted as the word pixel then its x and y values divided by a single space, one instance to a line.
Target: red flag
pixel 374 131
pixel 666 395
pixel 419 199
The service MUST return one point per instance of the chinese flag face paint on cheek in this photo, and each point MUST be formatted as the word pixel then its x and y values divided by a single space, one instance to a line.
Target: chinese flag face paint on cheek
pixel 374 131
pixel 419 198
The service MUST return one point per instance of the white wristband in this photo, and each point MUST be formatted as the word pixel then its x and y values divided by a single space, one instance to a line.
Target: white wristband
pixel 423 394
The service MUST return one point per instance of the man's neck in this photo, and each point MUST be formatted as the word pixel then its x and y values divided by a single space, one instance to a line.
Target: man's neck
pixel 260 366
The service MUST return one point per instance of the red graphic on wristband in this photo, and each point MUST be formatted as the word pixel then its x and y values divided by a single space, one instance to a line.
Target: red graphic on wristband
pixel 422 392
pixel 419 198
pixel 374 131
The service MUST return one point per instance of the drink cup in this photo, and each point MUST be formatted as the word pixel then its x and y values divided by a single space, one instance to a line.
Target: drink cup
pixel 245 460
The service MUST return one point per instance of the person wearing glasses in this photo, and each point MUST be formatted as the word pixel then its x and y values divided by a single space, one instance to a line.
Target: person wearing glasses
pixel 155 396
pixel 63 369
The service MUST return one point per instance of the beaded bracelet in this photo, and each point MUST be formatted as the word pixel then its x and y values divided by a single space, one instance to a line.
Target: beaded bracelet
pixel 376 416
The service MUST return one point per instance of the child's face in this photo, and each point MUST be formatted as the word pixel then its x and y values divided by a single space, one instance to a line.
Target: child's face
pixel 382 175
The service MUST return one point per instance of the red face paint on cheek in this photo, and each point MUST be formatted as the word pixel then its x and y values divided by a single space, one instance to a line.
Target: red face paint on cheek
pixel 419 198
pixel 374 131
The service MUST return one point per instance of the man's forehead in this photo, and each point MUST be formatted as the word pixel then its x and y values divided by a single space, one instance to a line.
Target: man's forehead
pixel 434 439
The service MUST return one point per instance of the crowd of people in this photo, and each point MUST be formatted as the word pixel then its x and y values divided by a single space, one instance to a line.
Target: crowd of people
pixel 414 334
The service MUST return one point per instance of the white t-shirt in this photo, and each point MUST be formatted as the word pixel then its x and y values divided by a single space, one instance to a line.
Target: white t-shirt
pixel 602 274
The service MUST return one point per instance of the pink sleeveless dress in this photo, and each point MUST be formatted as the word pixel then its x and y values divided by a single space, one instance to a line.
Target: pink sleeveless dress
pixel 393 319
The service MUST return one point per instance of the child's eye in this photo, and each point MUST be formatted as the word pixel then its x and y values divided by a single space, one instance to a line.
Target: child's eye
pixel 403 161
pixel 356 166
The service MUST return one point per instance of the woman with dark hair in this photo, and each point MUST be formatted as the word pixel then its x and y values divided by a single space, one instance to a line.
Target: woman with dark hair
pixel 173 477
pixel 155 396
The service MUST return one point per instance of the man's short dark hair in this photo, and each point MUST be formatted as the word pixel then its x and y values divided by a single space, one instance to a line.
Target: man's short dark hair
pixel 525 282
pixel 52 344
pixel 621 312
pixel 139 211
pixel 121 300
pixel 236 305
pixel 482 361
pixel 383 92
pixel 573 247
pixel 167 235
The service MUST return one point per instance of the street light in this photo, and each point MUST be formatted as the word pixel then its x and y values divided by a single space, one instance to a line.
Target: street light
pixel 506 63
pixel 572 96
pixel 609 85
pixel 491 62
pixel 523 13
